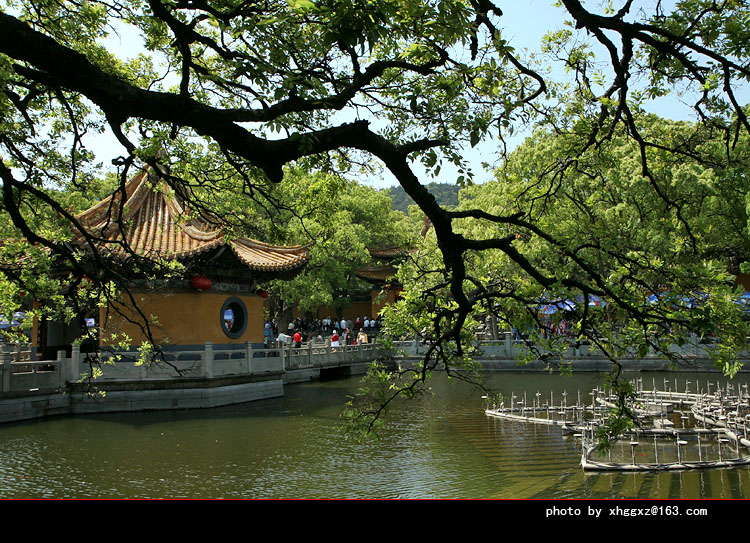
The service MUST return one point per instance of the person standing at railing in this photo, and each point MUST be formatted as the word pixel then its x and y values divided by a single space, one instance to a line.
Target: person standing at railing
pixel 268 334
pixel 297 338
pixel 361 337
pixel 334 339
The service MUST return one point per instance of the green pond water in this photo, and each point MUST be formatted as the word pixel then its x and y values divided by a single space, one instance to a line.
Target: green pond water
pixel 439 446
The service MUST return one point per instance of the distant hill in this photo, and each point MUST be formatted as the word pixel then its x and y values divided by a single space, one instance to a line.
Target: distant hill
pixel 446 195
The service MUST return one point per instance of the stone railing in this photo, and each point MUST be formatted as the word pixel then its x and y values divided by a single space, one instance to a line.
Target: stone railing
pixel 19 352
pixel 507 347
pixel 28 376
pixel 210 362
pixel 322 355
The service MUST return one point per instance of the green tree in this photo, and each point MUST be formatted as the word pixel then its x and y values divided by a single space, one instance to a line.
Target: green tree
pixel 597 221
pixel 445 194
pixel 341 219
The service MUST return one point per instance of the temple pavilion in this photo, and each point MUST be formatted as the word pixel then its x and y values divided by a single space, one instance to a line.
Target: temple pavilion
pixel 381 274
pixel 216 298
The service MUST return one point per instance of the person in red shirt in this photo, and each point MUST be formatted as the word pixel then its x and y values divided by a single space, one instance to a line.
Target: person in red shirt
pixel 297 338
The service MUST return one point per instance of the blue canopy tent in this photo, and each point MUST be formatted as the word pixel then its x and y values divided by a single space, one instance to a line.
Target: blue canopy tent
pixel 744 301
pixel 594 300
pixel 17 319
pixel 689 302
pixel 5 324
pixel 560 305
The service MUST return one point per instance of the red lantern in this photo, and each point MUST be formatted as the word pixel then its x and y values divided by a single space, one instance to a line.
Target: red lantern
pixel 262 293
pixel 201 282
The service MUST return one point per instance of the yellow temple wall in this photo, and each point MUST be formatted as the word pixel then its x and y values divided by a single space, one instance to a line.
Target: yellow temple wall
pixel 185 318
pixel 379 302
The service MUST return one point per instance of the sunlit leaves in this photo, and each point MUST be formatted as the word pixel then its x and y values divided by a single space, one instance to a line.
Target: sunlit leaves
pixel 341 220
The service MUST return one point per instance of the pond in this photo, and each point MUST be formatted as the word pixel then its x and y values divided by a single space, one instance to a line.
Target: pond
pixel 440 445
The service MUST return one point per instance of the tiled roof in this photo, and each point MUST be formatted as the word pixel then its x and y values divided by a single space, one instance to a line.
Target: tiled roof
pixel 155 224
pixel 387 253
pixel 377 274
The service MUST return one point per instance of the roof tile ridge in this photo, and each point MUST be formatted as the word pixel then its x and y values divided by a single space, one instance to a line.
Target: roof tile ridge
pixel 131 187
pixel 191 226
pixel 255 244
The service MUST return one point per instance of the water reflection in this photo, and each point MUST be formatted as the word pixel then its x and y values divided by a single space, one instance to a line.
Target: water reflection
pixel 441 445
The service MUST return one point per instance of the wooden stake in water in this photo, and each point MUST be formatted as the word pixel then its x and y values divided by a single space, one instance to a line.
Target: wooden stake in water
pixel 721 441
pixel 680 443
pixel 524 399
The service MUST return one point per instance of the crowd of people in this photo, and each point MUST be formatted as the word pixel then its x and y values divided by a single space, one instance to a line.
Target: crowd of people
pixel 339 332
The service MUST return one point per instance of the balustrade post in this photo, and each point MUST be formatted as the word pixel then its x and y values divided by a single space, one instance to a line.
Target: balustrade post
pixel 72 369
pixel 141 370
pixel 281 354
pixel 309 352
pixel 6 370
pixel 249 365
pixel 208 360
